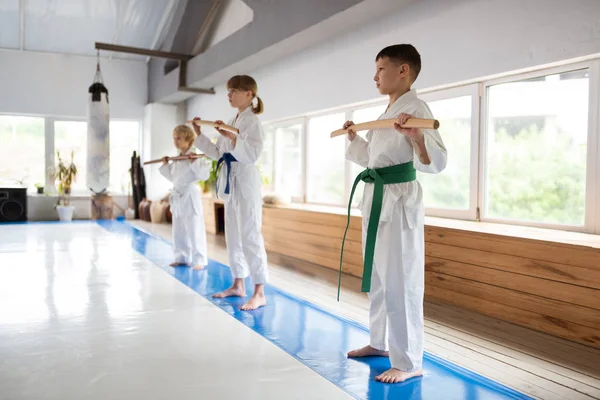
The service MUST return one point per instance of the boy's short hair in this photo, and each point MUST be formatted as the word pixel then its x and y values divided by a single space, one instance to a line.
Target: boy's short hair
pixel 187 133
pixel 403 54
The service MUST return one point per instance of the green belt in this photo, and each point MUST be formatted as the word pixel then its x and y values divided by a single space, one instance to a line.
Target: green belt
pixel 381 176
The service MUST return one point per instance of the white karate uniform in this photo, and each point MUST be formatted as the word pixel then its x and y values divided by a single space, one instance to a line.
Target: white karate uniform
pixel 243 204
pixel 397 279
pixel 189 232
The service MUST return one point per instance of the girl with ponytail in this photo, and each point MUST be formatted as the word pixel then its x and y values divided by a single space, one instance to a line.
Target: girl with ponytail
pixel 239 184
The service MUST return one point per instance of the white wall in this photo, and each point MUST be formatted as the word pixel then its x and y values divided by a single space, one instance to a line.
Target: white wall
pixel 57 85
pixel 41 207
pixel 458 40
pixel 159 121
pixel 235 14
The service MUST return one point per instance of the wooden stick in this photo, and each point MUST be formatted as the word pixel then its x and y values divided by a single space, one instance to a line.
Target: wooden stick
pixel 389 123
pixel 177 158
pixel 215 125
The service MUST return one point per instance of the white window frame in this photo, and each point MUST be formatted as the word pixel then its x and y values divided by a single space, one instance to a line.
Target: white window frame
pixel 276 154
pixel 478 89
pixel 590 221
pixel 140 145
pixel 346 111
pixel 3 114
pixel 50 153
pixel 472 90
pixel 592 215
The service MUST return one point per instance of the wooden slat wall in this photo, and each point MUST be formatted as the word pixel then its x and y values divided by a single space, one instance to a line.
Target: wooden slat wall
pixel 210 206
pixel 546 286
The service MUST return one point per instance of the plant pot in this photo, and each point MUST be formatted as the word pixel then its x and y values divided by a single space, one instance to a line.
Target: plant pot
pixel 65 213
pixel 40 190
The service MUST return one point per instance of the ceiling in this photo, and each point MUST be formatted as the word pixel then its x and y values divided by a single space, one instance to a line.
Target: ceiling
pixel 73 26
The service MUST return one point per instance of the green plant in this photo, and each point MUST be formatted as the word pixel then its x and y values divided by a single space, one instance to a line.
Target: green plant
pixel 263 178
pixel 65 175
pixel 210 182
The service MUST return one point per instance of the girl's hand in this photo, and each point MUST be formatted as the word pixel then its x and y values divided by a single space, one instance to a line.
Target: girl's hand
pixel 196 127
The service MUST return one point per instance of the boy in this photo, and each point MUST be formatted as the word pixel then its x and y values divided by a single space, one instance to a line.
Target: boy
pixel 189 232
pixel 397 277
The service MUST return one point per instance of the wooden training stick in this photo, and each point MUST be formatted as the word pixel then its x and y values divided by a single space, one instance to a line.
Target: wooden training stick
pixel 389 123
pixel 177 158
pixel 215 125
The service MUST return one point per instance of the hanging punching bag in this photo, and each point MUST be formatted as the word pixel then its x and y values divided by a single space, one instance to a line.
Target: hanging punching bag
pixel 98 139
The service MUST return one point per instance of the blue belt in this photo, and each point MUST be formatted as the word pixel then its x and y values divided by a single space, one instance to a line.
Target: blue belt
pixel 228 158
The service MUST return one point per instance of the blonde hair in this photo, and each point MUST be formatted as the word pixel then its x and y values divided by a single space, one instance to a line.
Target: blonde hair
pixel 185 131
pixel 247 83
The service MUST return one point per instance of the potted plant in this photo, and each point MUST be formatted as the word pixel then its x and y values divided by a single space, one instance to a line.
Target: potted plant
pixel 40 188
pixel 210 183
pixel 65 175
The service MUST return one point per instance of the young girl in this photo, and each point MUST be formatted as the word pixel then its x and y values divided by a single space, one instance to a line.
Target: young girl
pixel 189 235
pixel 239 185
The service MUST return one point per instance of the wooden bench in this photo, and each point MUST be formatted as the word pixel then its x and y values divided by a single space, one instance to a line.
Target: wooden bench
pixel 537 278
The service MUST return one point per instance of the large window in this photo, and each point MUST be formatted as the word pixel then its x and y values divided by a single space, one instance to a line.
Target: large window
pixel 326 161
pixel 536 153
pixel 288 145
pixel 522 149
pixel 453 191
pixel 22 151
pixel 266 160
pixel 70 138
pixel 124 140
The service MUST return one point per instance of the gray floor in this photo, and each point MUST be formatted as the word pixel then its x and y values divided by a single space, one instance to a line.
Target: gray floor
pixel 83 316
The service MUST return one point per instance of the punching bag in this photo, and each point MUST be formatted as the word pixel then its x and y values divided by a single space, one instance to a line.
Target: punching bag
pixel 98 138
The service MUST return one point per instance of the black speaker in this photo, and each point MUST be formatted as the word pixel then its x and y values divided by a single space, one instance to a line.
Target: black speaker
pixel 13 204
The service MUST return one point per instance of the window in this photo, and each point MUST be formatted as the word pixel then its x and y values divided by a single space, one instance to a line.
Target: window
pixel 266 160
pixel 326 165
pixel 451 188
pixel 288 139
pixel 124 140
pixel 71 137
pixel 523 151
pixel 536 152
pixel 22 153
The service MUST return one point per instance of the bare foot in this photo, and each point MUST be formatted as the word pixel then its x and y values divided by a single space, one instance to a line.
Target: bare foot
pixel 177 264
pixel 394 375
pixel 231 292
pixel 368 351
pixel 258 300
pixel 198 267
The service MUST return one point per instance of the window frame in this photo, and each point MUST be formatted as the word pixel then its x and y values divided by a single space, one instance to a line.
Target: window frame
pixel 478 89
pixel 5 114
pixel 346 111
pixel 591 224
pixel 472 90
pixel 50 153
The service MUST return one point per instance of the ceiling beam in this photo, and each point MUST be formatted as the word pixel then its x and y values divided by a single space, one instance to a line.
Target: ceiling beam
pixel 207 24
pixel 182 84
pixel 143 52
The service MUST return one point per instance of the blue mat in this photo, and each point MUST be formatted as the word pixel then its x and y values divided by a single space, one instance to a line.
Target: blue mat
pixel 316 337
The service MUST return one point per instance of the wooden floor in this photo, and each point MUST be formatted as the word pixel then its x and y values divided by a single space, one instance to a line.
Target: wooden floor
pixel 537 364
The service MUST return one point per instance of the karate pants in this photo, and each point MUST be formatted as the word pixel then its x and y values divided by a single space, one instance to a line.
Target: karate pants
pixel 189 239
pixel 397 290
pixel 245 243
